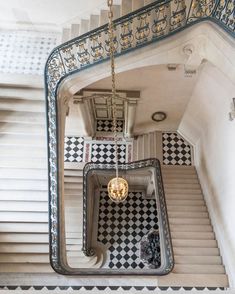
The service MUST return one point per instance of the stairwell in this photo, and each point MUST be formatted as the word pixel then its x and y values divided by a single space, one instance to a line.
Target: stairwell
pixel 24 196
pixel 24 206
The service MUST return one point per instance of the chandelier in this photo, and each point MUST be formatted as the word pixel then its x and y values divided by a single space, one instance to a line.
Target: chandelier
pixel 117 187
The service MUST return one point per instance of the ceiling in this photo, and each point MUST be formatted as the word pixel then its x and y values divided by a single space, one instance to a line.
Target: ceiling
pixel 56 12
pixel 160 90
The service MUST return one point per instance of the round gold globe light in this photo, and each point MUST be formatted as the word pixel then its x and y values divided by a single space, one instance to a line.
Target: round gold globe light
pixel 118 189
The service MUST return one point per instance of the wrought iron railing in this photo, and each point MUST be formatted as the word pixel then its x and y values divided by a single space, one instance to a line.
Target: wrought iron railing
pixel 137 29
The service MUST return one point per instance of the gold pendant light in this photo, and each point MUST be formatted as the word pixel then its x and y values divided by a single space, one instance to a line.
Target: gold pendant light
pixel 117 187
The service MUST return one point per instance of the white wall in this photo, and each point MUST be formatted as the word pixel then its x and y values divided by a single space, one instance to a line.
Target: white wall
pixel 206 124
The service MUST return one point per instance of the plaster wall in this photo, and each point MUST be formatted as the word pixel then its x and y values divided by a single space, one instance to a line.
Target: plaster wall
pixel 206 124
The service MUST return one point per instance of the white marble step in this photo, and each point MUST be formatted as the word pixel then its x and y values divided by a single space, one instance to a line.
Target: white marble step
pixel 22 128
pixel 23 248
pixel 198 260
pixel 180 180
pixel 126 7
pixel 24 228
pixel 30 118
pixel 194 243
pixel 199 269
pixel 19 184
pixel 189 221
pixel 13 104
pixel 187 214
pixel 186 208
pixel 136 4
pixel 196 251
pixel 32 196
pixel 22 140
pixel 26 217
pixel 24 238
pixel 188 196
pixel 75 29
pixel 193 235
pixel 36 206
pixel 176 202
pixel 182 190
pixel 73 180
pixel 94 22
pixel 190 228
pixel 22 174
pixel 20 92
pixel 18 162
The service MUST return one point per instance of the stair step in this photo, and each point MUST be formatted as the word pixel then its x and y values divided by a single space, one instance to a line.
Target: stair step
pixel 179 186
pixel 24 196
pixel 184 197
pixel 190 228
pixel 14 104
pixel 24 258
pixel 193 235
pixel 24 248
pixel 94 22
pixel 26 217
pixel 30 118
pixel 29 174
pixel 22 140
pixel 170 202
pixel 18 162
pixel 20 184
pixel 19 92
pixel 178 208
pixel 75 29
pixel 182 190
pixel 22 128
pixel 198 269
pixel 189 221
pixel 136 4
pixel 196 251
pixel 23 151
pixel 126 7
pixel 26 268
pixel 24 206
pixel 194 243
pixel 24 238
pixel 24 228
pixel 193 280
pixel 168 176
pixel 187 214
pixel 74 180
pixel 180 180
pixel 197 259
pixel 72 186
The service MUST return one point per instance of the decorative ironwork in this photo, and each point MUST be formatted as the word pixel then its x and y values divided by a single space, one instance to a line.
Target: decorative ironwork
pixel 162 18
pixel 167 260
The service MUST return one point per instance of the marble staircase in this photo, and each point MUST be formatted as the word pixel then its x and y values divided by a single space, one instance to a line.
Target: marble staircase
pixel 85 25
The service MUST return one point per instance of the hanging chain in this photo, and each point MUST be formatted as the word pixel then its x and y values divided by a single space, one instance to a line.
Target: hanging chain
pixel 113 97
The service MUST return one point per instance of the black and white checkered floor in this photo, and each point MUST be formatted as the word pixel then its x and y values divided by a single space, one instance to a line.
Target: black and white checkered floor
pixel 122 226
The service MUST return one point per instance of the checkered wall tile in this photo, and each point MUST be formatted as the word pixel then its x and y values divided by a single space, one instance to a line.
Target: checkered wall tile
pixel 176 151
pixel 73 149
pixel 103 125
pixel 121 227
pixel 105 153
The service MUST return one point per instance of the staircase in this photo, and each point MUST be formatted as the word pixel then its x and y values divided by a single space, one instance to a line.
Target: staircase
pixel 24 206
pixel 73 183
pixel 23 181
pixel 196 253
pixel 96 20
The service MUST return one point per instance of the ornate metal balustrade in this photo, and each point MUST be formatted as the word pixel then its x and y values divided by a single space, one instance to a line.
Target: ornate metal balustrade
pixel 137 29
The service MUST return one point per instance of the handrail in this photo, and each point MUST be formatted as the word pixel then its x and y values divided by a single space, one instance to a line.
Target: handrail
pixel 144 26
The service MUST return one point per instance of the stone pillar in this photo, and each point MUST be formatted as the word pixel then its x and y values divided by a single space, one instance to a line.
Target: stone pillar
pixel 130 117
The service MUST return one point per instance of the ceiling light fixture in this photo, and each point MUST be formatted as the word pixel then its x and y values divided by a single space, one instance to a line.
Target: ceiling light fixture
pixel 158 116
pixel 117 187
